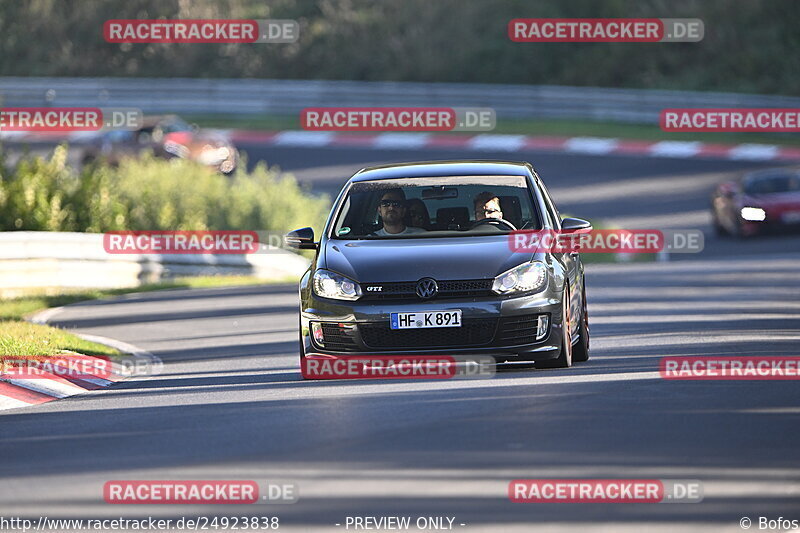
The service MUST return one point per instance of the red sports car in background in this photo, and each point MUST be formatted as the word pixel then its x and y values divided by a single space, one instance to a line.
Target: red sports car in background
pixel 167 137
pixel 766 200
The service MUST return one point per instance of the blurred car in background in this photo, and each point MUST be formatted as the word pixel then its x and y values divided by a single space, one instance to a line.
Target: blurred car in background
pixel 166 136
pixel 762 201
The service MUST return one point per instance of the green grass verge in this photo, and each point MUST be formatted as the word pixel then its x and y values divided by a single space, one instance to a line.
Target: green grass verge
pixel 566 128
pixel 590 258
pixel 24 339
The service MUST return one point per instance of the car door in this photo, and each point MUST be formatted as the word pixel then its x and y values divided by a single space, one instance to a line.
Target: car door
pixel 571 261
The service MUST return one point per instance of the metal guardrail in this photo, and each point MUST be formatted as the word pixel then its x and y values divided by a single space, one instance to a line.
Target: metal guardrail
pixel 288 97
pixel 59 260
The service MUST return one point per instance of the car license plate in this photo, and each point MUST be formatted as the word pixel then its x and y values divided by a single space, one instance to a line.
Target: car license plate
pixel 426 319
pixel 791 217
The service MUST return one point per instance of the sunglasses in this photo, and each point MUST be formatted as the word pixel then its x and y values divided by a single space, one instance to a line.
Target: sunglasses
pixel 391 203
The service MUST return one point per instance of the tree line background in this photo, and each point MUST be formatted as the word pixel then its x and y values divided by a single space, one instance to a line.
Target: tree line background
pixel 749 46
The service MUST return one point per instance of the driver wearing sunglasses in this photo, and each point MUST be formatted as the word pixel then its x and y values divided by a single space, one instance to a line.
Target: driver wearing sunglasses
pixel 487 205
pixel 392 209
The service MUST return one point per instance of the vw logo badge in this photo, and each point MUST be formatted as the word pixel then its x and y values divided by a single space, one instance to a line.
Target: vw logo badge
pixel 427 288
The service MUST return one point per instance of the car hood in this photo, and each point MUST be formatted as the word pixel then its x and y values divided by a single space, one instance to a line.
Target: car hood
pixel 370 261
pixel 782 200
pixel 196 141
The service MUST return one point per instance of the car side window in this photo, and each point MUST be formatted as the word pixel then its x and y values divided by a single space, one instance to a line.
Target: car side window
pixel 552 212
pixel 144 136
pixel 119 136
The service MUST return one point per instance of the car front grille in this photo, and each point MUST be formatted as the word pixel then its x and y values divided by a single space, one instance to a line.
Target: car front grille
pixel 518 330
pixel 337 338
pixel 473 333
pixel 406 290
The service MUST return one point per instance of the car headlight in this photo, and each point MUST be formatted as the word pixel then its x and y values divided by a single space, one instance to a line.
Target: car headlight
pixel 524 278
pixel 329 284
pixel 753 214
pixel 213 156
pixel 176 149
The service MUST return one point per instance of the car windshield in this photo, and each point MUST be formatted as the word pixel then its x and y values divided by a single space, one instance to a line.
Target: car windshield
pixel 773 184
pixel 436 207
pixel 174 124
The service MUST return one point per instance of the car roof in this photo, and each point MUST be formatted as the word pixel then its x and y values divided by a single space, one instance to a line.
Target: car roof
pixel 767 173
pixel 443 168
pixel 150 121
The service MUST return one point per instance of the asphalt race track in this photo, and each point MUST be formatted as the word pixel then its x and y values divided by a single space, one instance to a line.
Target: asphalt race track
pixel 230 403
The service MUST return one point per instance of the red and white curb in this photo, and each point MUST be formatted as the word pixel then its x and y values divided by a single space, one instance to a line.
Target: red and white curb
pixel 485 142
pixel 488 142
pixel 15 393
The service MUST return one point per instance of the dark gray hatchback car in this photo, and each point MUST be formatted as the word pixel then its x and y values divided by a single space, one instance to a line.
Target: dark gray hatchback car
pixel 415 259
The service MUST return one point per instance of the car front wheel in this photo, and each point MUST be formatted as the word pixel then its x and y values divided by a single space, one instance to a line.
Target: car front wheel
pixel 580 352
pixel 564 359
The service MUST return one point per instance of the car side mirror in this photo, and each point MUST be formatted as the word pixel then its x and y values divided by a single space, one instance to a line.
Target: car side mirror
pixel 302 239
pixel 575 224
pixel 729 189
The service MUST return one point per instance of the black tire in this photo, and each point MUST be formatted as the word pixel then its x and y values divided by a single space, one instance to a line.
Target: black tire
pixel 739 234
pixel 301 346
pixel 564 359
pixel 580 352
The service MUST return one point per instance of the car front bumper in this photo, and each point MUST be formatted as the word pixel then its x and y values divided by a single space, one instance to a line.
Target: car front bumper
pixel 504 328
